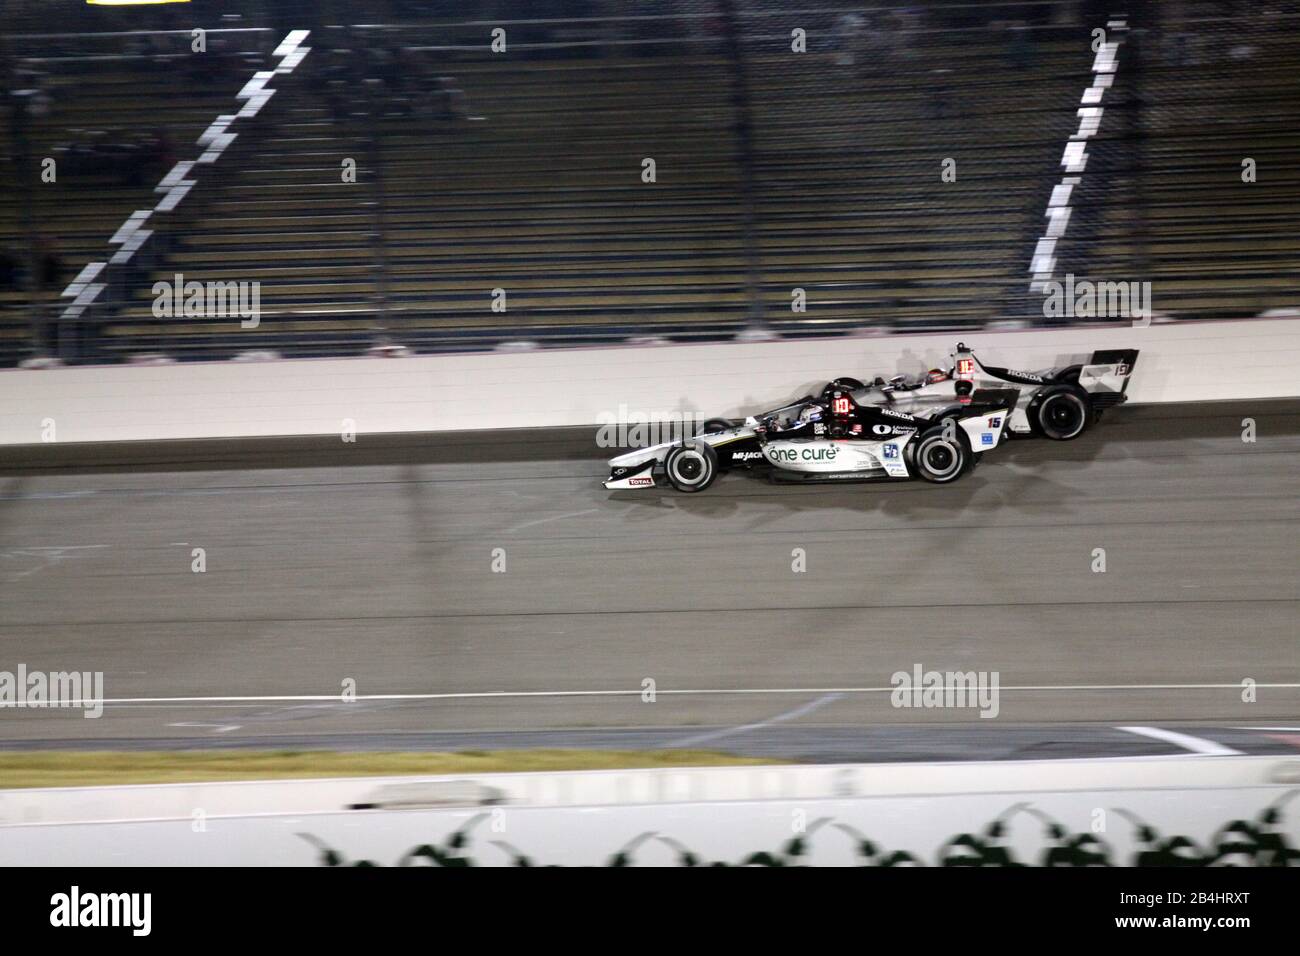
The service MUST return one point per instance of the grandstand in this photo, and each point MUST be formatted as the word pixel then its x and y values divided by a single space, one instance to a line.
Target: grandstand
pixel 775 170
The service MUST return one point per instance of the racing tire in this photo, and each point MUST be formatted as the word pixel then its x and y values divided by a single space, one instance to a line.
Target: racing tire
pixel 691 468
pixel 714 425
pixel 847 383
pixel 1061 413
pixel 939 458
pixel 974 456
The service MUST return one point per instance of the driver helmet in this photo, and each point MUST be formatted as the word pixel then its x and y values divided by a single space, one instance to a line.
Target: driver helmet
pixel 936 375
pixel 810 413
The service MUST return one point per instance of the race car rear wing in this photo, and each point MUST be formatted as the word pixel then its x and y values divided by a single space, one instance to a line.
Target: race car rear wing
pixel 1105 377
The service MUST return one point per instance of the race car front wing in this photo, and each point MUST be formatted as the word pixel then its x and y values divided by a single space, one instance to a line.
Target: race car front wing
pixel 632 476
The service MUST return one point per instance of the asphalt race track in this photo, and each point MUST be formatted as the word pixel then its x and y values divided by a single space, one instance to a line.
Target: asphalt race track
pixel 373 563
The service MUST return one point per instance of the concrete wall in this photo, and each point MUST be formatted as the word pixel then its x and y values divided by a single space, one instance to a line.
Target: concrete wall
pixel 723 814
pixel 1179 363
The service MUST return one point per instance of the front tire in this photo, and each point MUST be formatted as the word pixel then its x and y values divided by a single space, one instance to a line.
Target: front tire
pixel 1062 413
pixel 691 468
pixel 940 458
pixel 714 425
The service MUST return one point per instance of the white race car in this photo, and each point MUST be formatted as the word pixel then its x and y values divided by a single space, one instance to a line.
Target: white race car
pixel 830 437
pixel 1055 403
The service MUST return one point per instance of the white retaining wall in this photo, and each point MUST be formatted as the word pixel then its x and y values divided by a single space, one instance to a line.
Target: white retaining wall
pixel 570 387
pixel 718 813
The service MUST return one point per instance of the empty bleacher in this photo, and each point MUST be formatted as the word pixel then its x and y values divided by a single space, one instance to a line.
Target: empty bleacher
pixel 536 186
pixel 94 91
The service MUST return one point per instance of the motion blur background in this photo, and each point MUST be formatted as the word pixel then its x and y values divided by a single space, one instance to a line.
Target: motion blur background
pixel 327 562
pixel 774 170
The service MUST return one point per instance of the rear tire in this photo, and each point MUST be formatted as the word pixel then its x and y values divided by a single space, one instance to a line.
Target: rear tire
pixel 941 459
pixel 691 468
pixel 973 457
pixel 1062 413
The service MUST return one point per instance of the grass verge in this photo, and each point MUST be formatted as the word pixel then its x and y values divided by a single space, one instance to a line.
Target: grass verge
pixel 67 768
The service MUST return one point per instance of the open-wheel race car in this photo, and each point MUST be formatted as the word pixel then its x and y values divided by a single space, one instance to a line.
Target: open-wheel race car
pixel 1058 403
pixel 833 436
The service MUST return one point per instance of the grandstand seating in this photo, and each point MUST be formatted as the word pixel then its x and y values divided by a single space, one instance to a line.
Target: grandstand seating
pixel 539 192
pixel 76 214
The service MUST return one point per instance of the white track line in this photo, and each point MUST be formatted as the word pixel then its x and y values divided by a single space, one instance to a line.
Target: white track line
pixel 629 692
pixel 537 521
pixel 807 708
pixel 1197 745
